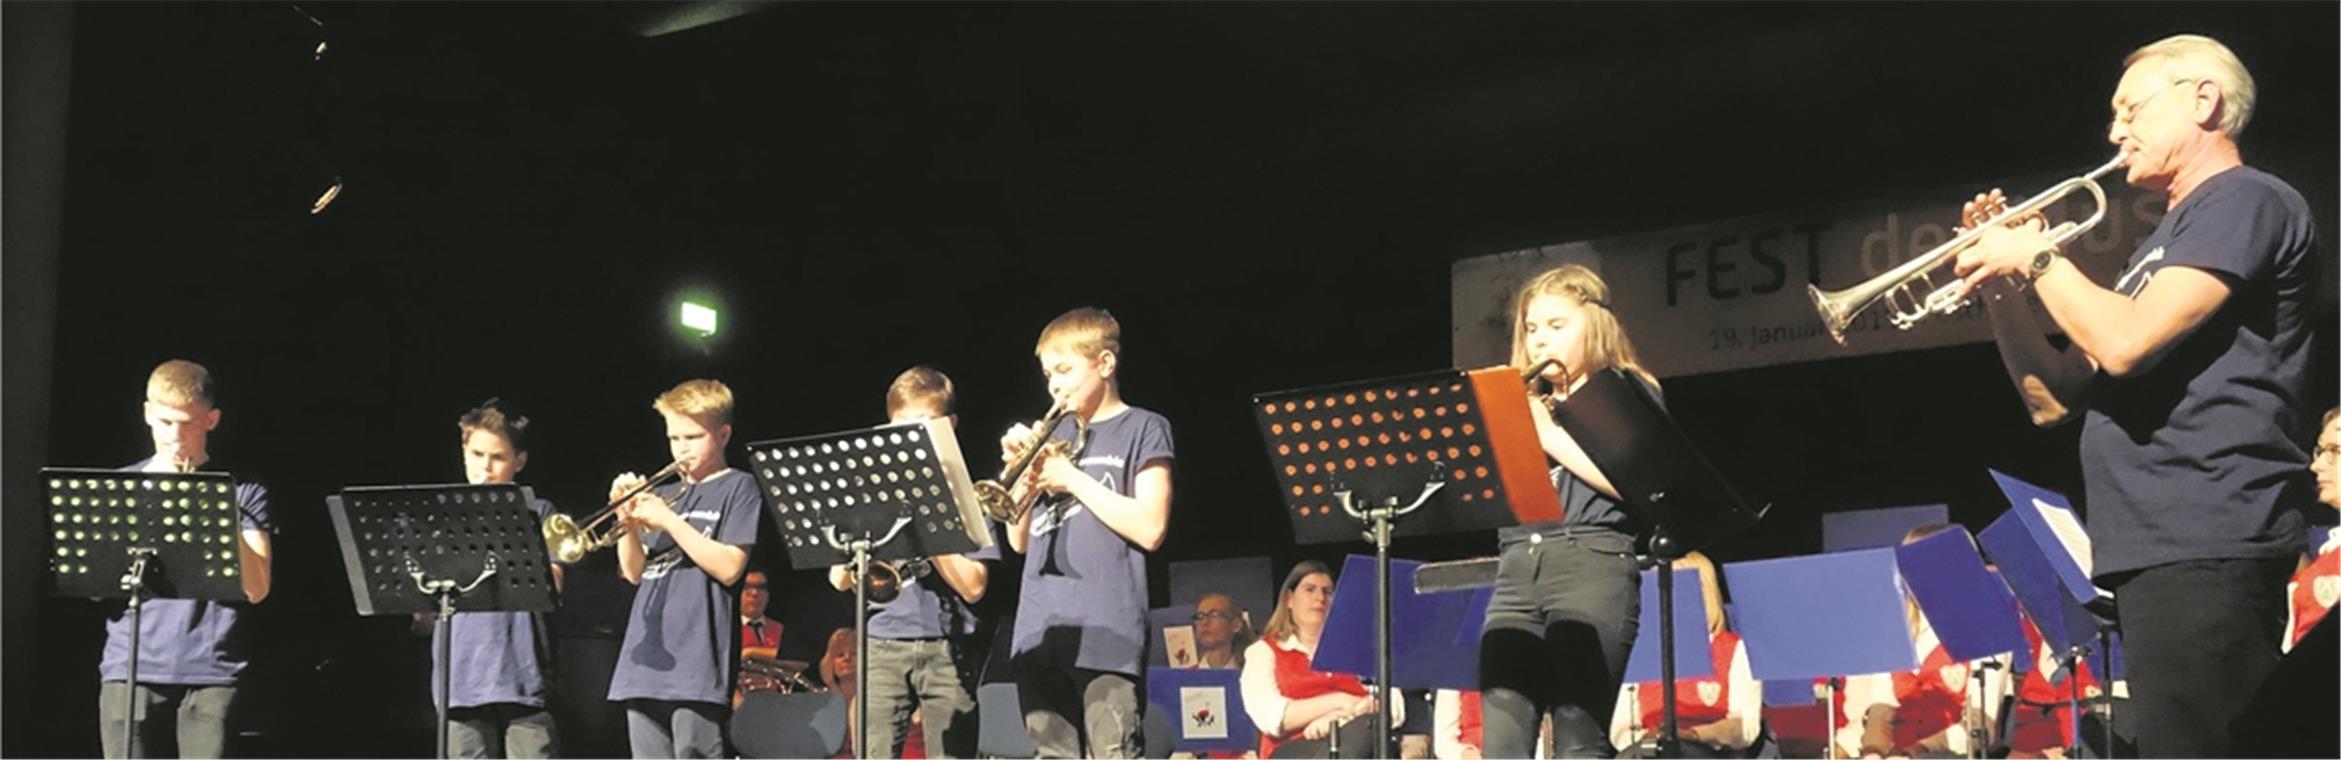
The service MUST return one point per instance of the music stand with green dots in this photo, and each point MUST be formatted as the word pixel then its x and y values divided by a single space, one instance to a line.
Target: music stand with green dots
pixel 142 535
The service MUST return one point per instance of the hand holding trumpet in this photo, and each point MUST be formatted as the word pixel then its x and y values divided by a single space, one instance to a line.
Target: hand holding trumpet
pixel 2002 255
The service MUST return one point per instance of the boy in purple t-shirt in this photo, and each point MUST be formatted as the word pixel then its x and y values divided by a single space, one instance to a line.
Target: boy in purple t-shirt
pixel 190 651
pixel 1080 638
pixel 497 680
pixel 685 545
pixel 919 653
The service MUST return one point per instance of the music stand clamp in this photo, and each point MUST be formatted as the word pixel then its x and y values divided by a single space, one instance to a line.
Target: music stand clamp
pixel 898 492
pixel 434 549
pixel 142 535
pixel 1663 482
pixel 1445 451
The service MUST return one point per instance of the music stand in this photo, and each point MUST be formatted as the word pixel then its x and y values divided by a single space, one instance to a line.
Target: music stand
pixel 1458 442
pixel 140 535
pixel 1973 614
pixel 847 496
pixel 1823 616
pixel 1434 640
pixel 2042 552
pixel 1662 481
pixel 407 549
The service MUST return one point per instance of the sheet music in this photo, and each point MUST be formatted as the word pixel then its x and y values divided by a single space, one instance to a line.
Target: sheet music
pixel 2068 532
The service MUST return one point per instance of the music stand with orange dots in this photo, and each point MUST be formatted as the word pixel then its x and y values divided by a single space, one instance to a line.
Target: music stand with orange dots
pixel 1444 451
pixel 898 492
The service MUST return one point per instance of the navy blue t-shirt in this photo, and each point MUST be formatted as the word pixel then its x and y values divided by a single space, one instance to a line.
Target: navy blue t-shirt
pixel 500 657
pixel 929 608
pixel 186 642
pixel 1084 598
pixel 682 636
pixel 2199 457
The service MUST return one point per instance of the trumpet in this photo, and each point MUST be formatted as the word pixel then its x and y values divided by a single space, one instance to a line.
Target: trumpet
pixel 995 495
pixel 569 542
pixel 1901 286
pixel 1529 377
pixel 885 580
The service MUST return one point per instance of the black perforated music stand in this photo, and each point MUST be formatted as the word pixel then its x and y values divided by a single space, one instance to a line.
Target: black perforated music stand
pixel 140 535
pixel 897 492
pixel 1663 482
pixel 443 549
pixel 1447 451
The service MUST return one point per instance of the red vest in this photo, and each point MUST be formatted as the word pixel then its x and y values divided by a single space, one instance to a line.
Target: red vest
pixel 1698 701
pixel 1467 722
pixel 2314 590
pixel 1932 697
pixel 1805 730
pixel 1296 681
pixel 2042 713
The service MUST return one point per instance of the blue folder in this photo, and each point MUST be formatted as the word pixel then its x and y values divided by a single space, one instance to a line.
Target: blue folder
pixel 2045 575
pixel 1427 646
pixel 1163 687
pixel 1874 528
pixel 1822 615
pixel 1691 656
pixel 1970 608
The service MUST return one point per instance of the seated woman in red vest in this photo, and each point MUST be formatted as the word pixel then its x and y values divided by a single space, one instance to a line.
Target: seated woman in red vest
pixel 2317 584
pixel 1923 712
pixel 1718 716
pixel 1295 707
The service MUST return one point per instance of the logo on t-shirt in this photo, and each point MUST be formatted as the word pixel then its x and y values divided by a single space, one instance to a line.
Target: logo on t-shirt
pixel 1709 691
pixel 2141 272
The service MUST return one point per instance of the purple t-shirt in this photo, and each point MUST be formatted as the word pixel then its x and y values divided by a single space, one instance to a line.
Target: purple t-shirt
pixel 500 657
pixel 184 641
pixel 2200 457
pixel 929 608
pixel 682 637
pixel 1084 597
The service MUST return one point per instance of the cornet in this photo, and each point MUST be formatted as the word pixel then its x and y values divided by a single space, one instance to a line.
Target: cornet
pixel 1902 285
pixel 570 542
pixel 885 580
pixel 995 495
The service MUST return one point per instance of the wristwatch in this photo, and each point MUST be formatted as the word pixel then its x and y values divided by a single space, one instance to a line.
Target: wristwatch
pixel 2040 262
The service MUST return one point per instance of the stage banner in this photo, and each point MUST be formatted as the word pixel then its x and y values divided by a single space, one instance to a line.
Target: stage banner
pixel 1726 295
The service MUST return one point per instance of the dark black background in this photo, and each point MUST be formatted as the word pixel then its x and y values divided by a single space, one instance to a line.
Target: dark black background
pixel 1268 196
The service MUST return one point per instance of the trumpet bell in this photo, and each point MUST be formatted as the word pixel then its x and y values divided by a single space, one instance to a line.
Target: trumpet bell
pixel 567 542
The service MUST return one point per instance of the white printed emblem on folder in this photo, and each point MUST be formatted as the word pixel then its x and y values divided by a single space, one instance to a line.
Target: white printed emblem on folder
pixel 1203 712
pixel 1179 642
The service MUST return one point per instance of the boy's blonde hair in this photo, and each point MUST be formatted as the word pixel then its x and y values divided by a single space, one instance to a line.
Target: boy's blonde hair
pixel 707 401
pixel 1605 340
pixel 2194 56
pixel 499 418
pixel 1088 331
pixel 179 382
pixel 921 386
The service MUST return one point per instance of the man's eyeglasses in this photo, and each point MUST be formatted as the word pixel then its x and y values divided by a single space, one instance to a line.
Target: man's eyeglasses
pixel 1224 617
pixel 2327 452
pixel 2131 113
